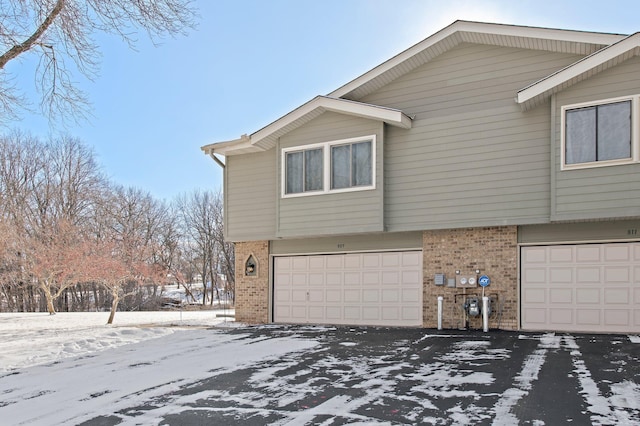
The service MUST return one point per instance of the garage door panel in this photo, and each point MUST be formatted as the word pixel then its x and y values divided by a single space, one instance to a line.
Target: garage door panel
pixel 370 278
pixel 412 259
pixel 351 296
pixel 316 295
pixel 411 313
pixel 535 255
pixel 371 313
pixel 616 296
pixel 333 295
pixel 617 253
pixel 560 316
pixel 617 317
pixel 534 295
pixel 561 295
pixel 410 277
pixel 588 275
pixel 589 287
pixel 352 261
pixel 617 274
pixel 378 288
pixel 535 316
pixel 390 313
pixel 390 295
pixel 561 275
pixel 333 279
pixel 589 317
pixel 587 295
pixel 370 296
pixel 390 278
pixel 298 312
pixel 352 278
pixel 316 262
pixel 561 254
pixel 535 275
pixel 588 253
pixel 352 313
pixel 316 279
pixel 298 295
pixel 300 263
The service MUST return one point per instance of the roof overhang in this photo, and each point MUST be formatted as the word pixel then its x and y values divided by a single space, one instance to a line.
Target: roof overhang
pixel 267 137
pixel 595 63
pixel 554 40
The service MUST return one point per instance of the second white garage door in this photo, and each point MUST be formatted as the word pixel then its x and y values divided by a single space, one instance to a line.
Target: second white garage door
pixel 584 287
pixel 354 289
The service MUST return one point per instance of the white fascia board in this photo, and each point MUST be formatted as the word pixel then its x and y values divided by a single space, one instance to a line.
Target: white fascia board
pixel 223 148
pixel 343 106
pixel 390 116
pixel 481 28
pixel 247 144
pixel 577 68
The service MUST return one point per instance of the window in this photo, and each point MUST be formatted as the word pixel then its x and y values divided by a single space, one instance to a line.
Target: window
pixel 598 134
pixel 304 171
pixel 351 165
pixel 329 167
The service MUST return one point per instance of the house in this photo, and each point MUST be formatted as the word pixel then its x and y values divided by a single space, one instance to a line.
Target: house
pixel 500 152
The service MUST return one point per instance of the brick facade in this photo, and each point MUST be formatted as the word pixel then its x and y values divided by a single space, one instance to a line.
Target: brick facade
pixel 252 292
pixel 493 251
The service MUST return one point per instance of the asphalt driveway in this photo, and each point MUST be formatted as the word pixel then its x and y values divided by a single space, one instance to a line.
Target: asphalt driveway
pixel 415 376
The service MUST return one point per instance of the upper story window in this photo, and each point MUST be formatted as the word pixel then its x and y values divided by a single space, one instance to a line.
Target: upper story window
pixel 598 134
pixel 329 167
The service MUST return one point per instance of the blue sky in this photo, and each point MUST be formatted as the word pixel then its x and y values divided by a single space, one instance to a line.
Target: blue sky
pixel 251 61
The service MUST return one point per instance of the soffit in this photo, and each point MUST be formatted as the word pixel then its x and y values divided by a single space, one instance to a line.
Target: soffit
pixel 605 58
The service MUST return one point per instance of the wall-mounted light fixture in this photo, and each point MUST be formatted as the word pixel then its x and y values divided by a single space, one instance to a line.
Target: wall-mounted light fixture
pixel 251 267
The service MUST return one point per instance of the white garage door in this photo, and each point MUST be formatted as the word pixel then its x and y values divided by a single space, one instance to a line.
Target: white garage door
pixel 587 287
pixel 355 289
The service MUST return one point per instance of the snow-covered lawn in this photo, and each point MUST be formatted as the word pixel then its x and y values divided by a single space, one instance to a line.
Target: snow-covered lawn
pixel 28 339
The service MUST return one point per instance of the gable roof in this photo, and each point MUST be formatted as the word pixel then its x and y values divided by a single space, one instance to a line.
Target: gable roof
pixel 344 99
pixel 266 137
pixel 595 63
pixel 554 40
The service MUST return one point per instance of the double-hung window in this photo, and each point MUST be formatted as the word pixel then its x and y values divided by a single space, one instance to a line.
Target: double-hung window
pixel 329 167
pixel 598 134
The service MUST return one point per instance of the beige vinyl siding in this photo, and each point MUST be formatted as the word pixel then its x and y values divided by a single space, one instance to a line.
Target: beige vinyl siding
pixel 472 157
pixel 250 196
pixel 600 192
pixel 339 213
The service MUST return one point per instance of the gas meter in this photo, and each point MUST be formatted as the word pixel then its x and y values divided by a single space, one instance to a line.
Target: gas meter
pixel 472 306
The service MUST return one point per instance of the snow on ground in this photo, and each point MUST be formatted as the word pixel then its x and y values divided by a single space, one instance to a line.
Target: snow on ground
pixel 174 367
pixel 35 338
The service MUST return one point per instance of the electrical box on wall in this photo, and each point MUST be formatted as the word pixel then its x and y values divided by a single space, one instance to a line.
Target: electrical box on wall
pixel 439 279
pixel 466 281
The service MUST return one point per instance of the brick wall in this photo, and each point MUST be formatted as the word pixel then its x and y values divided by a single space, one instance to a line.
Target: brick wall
pixel 252 292
pixel 493 251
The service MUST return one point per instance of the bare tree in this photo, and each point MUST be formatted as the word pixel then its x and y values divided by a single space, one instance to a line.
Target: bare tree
pixel 201 216
pixel 127 252
pixel 60 33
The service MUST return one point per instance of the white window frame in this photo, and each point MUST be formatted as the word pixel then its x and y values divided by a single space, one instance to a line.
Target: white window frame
pixel 635 134
pixel 326 165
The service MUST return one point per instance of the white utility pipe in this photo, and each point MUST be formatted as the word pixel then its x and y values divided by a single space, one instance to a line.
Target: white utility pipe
pixel 440 299
pixel 485 314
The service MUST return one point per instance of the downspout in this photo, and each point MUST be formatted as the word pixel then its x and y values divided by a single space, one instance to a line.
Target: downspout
pixel 216 159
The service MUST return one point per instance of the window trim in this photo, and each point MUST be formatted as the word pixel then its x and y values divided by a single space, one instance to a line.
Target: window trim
pixel 326 166
pixel 635 133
